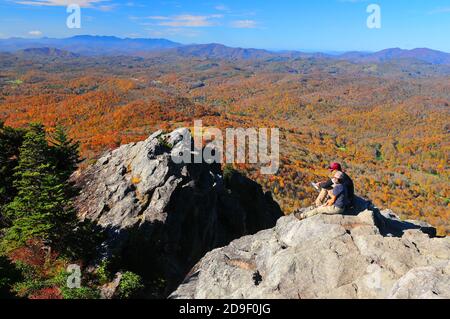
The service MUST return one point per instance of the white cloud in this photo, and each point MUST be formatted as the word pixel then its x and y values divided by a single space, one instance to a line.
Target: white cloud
pixel 170 32
pixel 244 24
pixel 109 7
pixel 222 7
pixel 158 18
pixel 61 3
pixel 187 20
pixel 35 33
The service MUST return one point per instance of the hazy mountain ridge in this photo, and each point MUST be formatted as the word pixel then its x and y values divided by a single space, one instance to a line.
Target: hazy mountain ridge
pixel 46 52
pixel 422 54
pixel 110 45
pixel 89 45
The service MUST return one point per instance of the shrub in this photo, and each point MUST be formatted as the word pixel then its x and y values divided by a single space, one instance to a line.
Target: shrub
pixel 28 287
pixel 102 273
pixel 84 292
pixel 47 293
pixel 164 142
pixel 80 293
pixel 130 285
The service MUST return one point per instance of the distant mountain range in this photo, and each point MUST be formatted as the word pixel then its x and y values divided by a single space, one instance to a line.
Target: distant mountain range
pixel 422 54
pixel 46 52
pixel 109 45
pixel 220 51
pixel 89 45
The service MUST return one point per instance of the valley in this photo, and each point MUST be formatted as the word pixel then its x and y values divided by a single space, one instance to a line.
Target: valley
pixel 385 120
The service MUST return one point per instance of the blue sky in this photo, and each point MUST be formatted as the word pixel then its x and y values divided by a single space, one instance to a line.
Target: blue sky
pixel 313 25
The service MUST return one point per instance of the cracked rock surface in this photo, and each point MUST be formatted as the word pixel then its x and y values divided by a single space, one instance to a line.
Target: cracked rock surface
pixel 162 217
pixel 371 255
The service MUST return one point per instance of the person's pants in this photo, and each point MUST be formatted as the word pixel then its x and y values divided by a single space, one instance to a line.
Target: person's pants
pixel 327 210
pixel 323 196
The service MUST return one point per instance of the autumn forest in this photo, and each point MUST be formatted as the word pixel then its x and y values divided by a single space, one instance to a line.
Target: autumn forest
pixel 387 122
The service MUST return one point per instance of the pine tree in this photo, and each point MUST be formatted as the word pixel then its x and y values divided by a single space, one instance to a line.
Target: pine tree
pixel 41 209
pixel 65 152
pixel 10 141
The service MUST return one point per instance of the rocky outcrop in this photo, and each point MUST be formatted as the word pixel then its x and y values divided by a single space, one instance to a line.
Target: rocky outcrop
pixel 162 217
pixel 109 290
pixel 369 255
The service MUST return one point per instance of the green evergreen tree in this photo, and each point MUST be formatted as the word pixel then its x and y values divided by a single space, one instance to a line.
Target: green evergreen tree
pixel 65 152
pixel 41 209
pixel 10 141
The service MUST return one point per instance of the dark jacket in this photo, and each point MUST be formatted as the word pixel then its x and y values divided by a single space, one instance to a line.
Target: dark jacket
pixel 347 182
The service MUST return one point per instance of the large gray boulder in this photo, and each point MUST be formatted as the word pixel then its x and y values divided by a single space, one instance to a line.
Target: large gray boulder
pixel 370 255
pixel 162 217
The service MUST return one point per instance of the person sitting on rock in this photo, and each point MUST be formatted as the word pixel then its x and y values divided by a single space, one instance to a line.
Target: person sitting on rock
pixel 338 199
pixel 326 187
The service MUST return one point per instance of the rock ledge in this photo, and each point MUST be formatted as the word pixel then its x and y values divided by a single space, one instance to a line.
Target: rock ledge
pixel 371 255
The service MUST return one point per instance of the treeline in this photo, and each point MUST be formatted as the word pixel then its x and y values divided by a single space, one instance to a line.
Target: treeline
pixel 40 234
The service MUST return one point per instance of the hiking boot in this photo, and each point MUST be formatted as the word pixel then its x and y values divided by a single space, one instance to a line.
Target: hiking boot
pixel 299 216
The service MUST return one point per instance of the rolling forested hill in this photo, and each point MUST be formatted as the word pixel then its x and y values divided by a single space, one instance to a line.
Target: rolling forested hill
pixel 385 119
